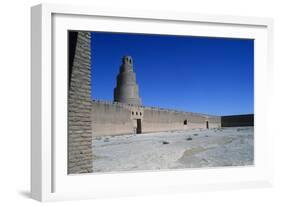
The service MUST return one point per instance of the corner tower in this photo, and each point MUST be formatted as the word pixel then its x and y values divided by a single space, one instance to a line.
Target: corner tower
pixel 127 90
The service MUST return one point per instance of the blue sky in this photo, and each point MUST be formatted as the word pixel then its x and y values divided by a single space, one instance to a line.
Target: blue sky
pixel 197 74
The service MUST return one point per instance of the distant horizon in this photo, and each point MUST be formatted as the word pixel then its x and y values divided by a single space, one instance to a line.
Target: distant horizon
pixel 206 75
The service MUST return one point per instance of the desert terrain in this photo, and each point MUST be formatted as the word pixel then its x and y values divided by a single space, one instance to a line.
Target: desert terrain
pixel 195 148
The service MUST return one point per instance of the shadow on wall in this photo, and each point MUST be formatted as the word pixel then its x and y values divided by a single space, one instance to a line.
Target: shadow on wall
pixel 237 120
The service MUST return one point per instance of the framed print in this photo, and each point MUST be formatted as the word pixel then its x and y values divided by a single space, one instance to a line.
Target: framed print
pixel 137 102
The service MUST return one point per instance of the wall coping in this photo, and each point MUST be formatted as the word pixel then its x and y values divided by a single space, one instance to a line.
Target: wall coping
pixel 151 108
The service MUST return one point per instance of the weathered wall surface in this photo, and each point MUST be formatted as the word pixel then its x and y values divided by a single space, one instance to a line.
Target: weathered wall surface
pixel 237 120
pixel 116 118
pixel 156 119
pixel 79 104
pixel 110 119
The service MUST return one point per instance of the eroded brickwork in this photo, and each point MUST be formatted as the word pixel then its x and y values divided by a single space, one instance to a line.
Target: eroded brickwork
pixel 115 118
pixel 79 106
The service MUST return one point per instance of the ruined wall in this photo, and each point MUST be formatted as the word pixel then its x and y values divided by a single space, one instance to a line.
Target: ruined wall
pixel 237 120
pixel 117 118
pixel 111 119
pixel 156 119
pixel 79 103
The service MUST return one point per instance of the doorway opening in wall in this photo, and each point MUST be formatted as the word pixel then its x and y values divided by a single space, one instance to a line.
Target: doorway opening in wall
pixel 138 126
pixel 207 124
pixel 185 122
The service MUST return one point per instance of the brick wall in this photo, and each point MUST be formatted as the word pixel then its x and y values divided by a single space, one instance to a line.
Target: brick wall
pixel 237 120
pixel 158 120
pixel 110 118
pixel 79 103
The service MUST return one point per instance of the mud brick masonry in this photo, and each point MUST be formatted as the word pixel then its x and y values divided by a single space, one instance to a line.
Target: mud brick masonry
pixel 88 119
pixel 79 103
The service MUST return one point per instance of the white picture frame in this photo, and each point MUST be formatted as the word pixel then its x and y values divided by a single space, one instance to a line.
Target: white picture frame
pixel 49 178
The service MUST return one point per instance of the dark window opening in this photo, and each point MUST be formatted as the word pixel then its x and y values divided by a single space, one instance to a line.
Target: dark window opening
pixel 185 122
pixel 140 113
pixel 137 113
pixel 132 113
pixel 207 124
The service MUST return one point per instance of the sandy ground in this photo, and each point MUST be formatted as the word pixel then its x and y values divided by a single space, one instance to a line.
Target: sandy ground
pixel 171 150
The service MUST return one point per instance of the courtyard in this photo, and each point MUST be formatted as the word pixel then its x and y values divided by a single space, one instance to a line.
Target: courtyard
pixel 196 148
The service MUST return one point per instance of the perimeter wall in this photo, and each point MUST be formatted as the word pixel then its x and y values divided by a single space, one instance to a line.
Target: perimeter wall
pixel 110 119
pixel 157 120
pixel 116 118
pixel 237 120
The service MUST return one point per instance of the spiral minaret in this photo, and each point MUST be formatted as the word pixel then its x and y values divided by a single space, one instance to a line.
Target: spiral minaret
pixel 127 90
